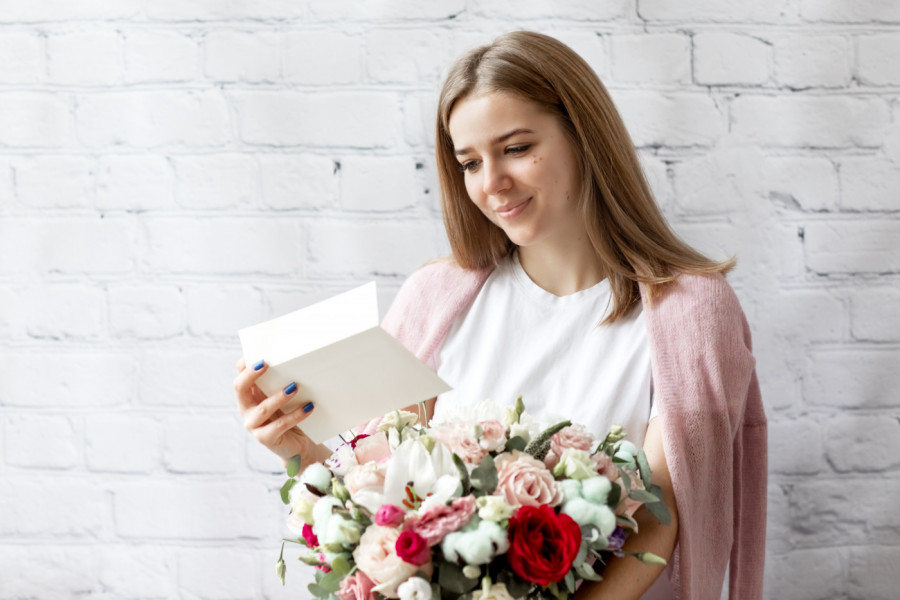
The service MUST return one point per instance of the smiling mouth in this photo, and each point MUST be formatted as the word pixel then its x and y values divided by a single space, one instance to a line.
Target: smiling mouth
pixel 513 211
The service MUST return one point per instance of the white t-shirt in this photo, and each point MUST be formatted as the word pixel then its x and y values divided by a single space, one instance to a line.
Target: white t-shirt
pixel 517 338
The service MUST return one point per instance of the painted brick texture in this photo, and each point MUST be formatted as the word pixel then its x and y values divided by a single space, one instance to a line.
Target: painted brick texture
pixel 171 171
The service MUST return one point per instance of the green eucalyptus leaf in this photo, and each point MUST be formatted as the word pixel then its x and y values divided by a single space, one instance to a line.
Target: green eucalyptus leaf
pixel 643 496
pixel 644 467
pixel 484 477
pixel 318 591
pixel 293 465
pixel 463 475
pixel 451 578
pixel 660 511
pixel 331 582
pixel 286 490
pixel 570 582
pixel 341 566
pixel 515 443
pixel 626 522
pixel 615 494
pixel 586 571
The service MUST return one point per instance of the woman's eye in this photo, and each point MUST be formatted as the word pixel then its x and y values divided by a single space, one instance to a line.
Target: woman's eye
pixel 518 149
pixel 468 166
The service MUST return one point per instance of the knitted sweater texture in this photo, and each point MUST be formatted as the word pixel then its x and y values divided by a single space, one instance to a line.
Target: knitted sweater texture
pixel 713 423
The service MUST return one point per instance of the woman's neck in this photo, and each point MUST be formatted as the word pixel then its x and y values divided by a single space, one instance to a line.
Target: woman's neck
pixel 563 269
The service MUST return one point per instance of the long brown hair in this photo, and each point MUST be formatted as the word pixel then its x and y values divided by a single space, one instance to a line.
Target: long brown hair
pixel 625 226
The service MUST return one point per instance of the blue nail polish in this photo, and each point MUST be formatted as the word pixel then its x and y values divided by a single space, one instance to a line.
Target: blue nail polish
pixel 259 365
pixel 307 407
pixel 291 388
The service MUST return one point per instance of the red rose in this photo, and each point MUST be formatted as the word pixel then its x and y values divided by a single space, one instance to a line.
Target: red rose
pixel 542 544
pixel 413 548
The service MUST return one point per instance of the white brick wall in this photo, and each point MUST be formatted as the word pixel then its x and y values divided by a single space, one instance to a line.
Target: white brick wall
pixel 171 171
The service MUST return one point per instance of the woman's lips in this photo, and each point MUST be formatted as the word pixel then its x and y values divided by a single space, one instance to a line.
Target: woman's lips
pixel 513 211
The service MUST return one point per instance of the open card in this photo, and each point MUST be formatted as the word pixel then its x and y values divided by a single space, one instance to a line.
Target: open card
pixel 342 360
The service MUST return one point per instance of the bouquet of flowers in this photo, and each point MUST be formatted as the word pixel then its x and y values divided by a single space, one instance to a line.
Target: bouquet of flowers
pixel 485 506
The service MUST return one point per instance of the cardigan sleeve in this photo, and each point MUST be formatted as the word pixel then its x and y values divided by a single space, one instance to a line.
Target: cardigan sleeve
pixel 713 434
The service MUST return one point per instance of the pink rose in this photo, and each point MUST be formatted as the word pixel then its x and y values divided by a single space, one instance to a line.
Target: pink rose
pixel 358 587
pixel 460 439
pixel 364 476
pixel 376 556
pixel 374 447
pixel 493 437
pixel 309 536
pixel 413 548
pixel 437 521
pixel 525 481
pixel 389 515
pixel 573 436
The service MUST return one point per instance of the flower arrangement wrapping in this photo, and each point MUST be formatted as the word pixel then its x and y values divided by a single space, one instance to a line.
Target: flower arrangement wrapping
pixel 487 506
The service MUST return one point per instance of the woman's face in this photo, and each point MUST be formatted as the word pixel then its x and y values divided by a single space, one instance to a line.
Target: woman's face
pixel 519 167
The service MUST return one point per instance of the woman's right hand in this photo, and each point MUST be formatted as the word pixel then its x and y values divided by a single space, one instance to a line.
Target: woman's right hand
pixel 264 418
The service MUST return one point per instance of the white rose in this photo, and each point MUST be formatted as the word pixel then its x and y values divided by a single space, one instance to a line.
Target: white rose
pixel 414 588
pixel 575 464
pixel 397 420
pixel 496 591
pixel 493 508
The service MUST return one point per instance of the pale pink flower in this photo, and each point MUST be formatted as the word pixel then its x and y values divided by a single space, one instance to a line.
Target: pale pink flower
pixel 461 441
pixel 437 521
pixel 573 436
pixel 373 448
pixel 525 481
pixel 493 435
pixel 376 556
pixel 360 477
pixel 357 587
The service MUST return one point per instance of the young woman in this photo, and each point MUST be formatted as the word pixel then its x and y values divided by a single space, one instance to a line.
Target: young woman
pixel 567 286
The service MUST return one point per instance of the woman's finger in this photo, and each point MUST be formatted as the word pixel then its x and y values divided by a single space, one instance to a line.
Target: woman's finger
pixel 264 411
pixel 245 386
pixel 272 433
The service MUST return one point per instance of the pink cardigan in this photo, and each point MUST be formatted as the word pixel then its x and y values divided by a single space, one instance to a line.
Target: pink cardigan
pixel 714 427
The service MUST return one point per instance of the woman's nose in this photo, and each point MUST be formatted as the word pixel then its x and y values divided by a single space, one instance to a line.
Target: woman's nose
pixel 496 179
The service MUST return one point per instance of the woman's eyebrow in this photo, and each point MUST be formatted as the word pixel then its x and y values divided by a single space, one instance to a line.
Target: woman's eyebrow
pixel 497 140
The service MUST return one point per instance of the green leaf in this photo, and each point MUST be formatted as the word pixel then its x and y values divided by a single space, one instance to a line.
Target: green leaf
pixel 463 475
pixel 643 496
pixel 570 582
pixel 660 511
pixel 626 522
pixel 341 566
pixel 318 591
pixel 331 582
pixel 451 578
pixel 615 494
pixel 286 490
pixel 293 465
pixel 484 477
pixel 586 571
pixel 644 467
pixel 515 443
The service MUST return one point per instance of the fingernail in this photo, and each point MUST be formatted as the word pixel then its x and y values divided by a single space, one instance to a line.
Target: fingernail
pixel 307 407
pixel 259 365
pixel 291 388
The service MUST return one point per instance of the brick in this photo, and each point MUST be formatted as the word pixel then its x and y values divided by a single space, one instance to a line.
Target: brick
pixel 49 569
pixel 582 10
pixel 196 510
pixel 677 119
pixel 62 310
pixel 66 245
pixel 719 182
pixel 861 11
pixel 186 376
pixel 802 317
pixel 121 443
pixel 146 311
pixel 419 111
pixel 368 248
pixel 200 10
pixel 138 572
pixel 379 183
pixel 35 120
pixel 722 58
pixel 806 61
pixel 657 174
pixel 6 184
pixel 323 58
pixel 15 11
pixel 214 181
pixel 876 55
pixel 223 246
pixel 892 142
pixel 655 59
pixel 719 11
pixel 298 576
pixel 865 246
pixel 134 183
pixel 23 57
pixel 388 10
pixel 413 56
pixel 55 181
pixel 218 453
pixel 798 121
pixel 242 56
pixel 873 314
pixel 85 57
pixel 41 442
pixel 260 459
pixel 872 573
pixel 777 525
pixel 809 183
pixel 806 574
pixel 149 119
pixel 29 381
pixel 869 184
pixel 588 44
pixel 221 310
pixel 795 448
pixel 161 56
pixel 33 507
pixel 780 370
pixel 298 181
pixel 355 120
pixel 853 378
pixel 861 444
pixel 219 574
pixel 12 307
